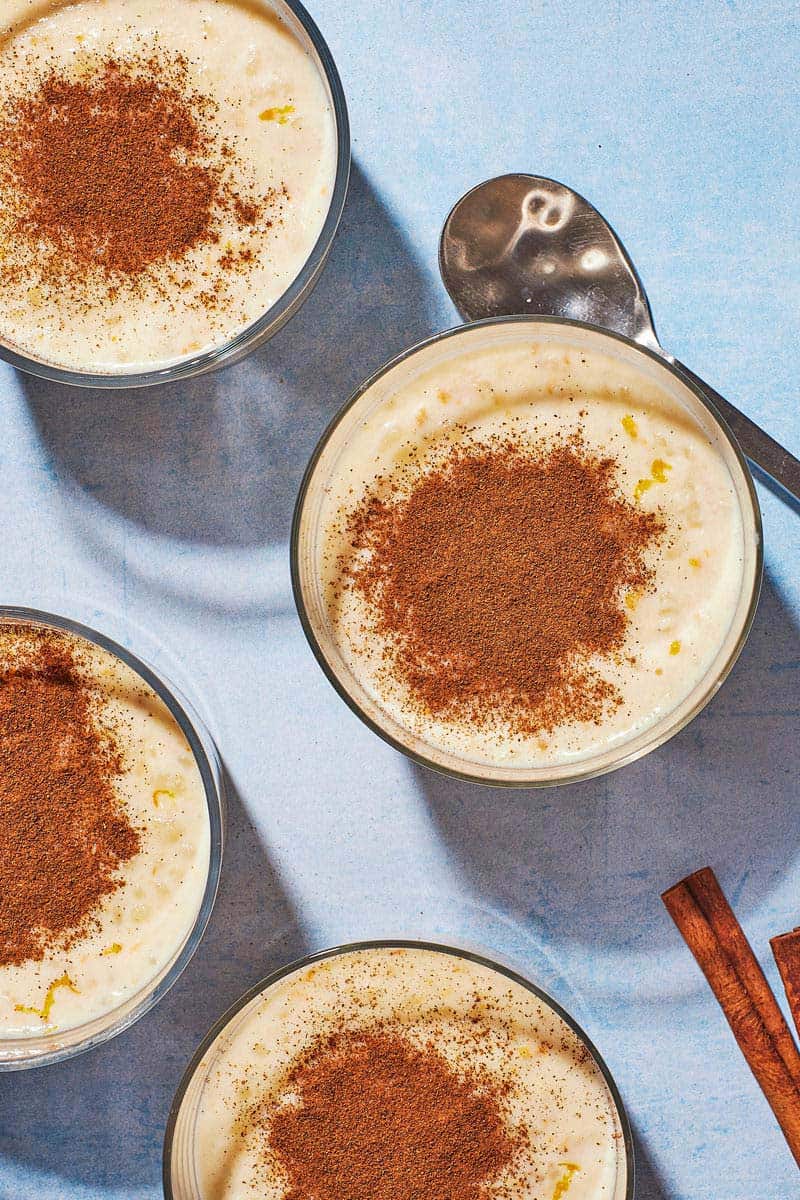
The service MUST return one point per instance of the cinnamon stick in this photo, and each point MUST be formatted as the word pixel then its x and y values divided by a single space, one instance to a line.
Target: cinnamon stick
pixel 698 907
pixel 786 950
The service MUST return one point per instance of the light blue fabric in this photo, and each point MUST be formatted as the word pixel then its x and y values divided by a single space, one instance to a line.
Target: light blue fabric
pixel 169 512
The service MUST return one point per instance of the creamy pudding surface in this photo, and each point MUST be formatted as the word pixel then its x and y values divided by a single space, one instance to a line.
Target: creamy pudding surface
pixel 529 553
pixel 104 845
pixel 279 1114
pixel 165 172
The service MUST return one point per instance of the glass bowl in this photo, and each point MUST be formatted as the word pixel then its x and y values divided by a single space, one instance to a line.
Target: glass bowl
pixel 55 1045
pixel 180 1175
pixel 322 476
pixel 255 335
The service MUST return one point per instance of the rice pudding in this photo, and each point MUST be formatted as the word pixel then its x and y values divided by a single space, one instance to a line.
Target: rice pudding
pixel 104 838
pixel 165 172
pixel 523 552
pixel 397 1072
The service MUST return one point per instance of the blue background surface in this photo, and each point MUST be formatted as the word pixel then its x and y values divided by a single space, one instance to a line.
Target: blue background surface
pixel 163 518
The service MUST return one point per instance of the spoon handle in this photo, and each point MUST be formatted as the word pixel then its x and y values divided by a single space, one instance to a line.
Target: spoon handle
pixel 762 450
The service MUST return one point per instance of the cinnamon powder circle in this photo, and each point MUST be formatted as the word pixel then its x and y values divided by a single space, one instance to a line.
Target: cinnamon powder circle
pixel 64 834
pixel 112 176
pixel 496 580
pixel 375 1117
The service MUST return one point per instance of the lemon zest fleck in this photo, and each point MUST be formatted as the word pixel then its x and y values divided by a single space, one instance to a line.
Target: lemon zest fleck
pixel 35 297
pixel 630 426
pixel 114 948
pixel 694 562
pixel 525 1052
pixel 658 474
pixel 50 998
pixel 659 671
pixel 675 647
pixel 280 113
pixel 563 1185
pixel 162 792
pixel 632 599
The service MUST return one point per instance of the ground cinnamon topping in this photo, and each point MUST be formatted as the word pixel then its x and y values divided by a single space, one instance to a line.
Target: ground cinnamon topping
pixel 63 832
pixel 114 174
pixel 374 1117
pixel 498 576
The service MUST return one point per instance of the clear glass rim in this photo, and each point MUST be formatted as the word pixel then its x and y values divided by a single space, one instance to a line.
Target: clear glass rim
pixel 394 944
pixel 205 754
pixel 261 330
pixel 661 732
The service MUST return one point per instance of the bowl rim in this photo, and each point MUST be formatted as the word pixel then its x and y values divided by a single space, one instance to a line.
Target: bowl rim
pixel 205 754
pixel 506 970
pixel 269 323
pixel 578 774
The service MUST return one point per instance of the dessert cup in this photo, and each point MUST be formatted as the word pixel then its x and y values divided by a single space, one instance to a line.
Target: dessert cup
pixel 300 23
pixel 181 1144
pixel 323 476
pixel 54 1045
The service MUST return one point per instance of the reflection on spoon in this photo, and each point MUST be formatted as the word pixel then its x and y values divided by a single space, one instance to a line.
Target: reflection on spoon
pixel 526 244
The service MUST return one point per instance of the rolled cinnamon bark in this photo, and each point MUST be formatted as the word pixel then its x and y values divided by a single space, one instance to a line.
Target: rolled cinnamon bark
pixel 786 949
pixel 709 927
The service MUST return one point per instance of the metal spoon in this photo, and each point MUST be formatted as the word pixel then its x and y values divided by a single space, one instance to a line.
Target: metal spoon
pixel 526 244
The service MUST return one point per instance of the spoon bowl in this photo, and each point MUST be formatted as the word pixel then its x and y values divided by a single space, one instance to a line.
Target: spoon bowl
pixel 525 244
